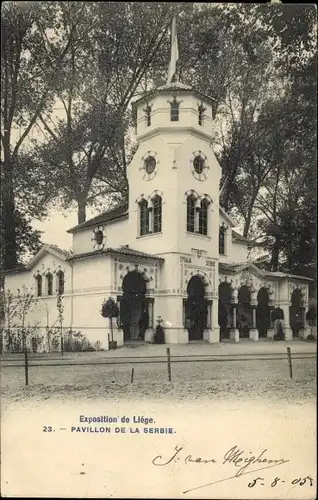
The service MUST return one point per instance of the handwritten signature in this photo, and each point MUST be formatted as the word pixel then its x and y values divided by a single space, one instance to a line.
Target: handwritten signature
pixel 241 459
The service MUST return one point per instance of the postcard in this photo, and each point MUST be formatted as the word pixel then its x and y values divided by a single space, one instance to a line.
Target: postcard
pixel 158 250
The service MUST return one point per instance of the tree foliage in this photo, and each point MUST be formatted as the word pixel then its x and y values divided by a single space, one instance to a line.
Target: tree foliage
pixel 90 59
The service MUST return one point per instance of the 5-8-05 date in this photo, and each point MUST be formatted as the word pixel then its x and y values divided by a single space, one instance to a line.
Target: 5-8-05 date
pixel 300 481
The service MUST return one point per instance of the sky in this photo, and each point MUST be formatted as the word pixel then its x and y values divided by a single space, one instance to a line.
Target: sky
pixel 55 226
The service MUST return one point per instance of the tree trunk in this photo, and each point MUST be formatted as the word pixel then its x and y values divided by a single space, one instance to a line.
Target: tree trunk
pixel 9 250
pixel 275 254
pixel 111 328
pixel 81 210
pixel 249 216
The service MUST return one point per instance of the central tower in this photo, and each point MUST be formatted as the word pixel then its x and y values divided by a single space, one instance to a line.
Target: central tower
pixel 174 176
pixel 174 182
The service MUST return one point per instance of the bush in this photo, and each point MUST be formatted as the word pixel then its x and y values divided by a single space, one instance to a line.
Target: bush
pixel 110 309
pixel 310 338
pixel 311 316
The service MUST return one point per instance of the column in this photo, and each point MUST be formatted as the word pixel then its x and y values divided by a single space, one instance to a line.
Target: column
pixel 149 333
pixel 234 333
pixel 214 331
pixel 286 321
pixel 208 326
pixel 270 331
pixel 305 331
pixel 150 220
pixel 253 334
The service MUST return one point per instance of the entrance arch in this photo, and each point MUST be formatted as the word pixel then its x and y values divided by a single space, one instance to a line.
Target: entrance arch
pixel 196 308
pixel 262 312
pixel 225 295
pixel 296 312
pixel 134 310
pixel 244 316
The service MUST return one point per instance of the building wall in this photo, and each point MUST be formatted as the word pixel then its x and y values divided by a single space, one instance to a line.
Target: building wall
pixel 115 235
pixel 174 149
pixel 43 312
pixel 160 115
pixel 238 252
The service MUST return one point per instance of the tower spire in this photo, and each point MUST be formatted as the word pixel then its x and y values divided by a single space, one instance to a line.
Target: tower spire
pixel 174 52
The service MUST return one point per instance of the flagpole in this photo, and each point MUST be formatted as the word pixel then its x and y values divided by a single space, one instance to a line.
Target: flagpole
pixel 174 54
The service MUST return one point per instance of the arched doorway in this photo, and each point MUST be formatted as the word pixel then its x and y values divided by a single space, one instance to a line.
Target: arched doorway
pixel 196 308
pixel 133 308
pixel 262 312
pixel 244 311
pixel 296 312
pixel 225 295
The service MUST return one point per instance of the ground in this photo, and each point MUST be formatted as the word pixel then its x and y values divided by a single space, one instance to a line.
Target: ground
pixel 220 396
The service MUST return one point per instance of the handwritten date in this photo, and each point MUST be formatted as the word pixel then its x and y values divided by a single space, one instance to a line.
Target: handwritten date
pixel 300 481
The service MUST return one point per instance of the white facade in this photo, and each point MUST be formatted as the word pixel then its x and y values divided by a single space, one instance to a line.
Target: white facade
pixel 167 255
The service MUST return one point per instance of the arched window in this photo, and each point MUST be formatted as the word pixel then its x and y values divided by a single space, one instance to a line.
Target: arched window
pixel 49 281
pixel 60 282
pixel 174 111
pixel 201 110
pixel 148 115
pixel 222 239
pixel 38 280
pixel 191 214
pixel 144 217
pixel 203 217
pixel 157 214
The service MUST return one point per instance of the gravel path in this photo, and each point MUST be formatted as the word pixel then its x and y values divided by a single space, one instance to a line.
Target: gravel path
pixel 244 380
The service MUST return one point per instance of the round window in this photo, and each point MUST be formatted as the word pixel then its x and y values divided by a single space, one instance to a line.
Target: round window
pixel 198 164
pixel 150 164
pixel 99 237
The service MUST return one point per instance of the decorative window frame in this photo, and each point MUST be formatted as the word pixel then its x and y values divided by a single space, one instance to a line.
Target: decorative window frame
pixel 152 175
pixel 58 274
pixel 177 102
pixel 201 115
pixel 148 110
pixel 202 176
pixel 48 274
pixel 198 200
pixel 223 227
pixel 99 244
pixel 150 206
pixel 38 277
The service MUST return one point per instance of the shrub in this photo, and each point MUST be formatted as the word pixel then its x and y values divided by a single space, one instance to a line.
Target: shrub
pixel 311 316
pixel 110 310
pixel 310 337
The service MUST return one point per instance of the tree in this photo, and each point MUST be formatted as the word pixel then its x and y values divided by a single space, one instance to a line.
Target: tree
pixel 110 310
pixel 26 88
pixel 87 144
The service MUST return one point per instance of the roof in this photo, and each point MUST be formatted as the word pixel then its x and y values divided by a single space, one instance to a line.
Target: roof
pixel 123 250
pixel 238 237
pixel 227 216
pixel 19 269
pixel 53 249
pixel 278 274
pixel 240 266
pixel 103 218
pixel 121 212
pixel 235 267
pixel 61 251
pixel 174 86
